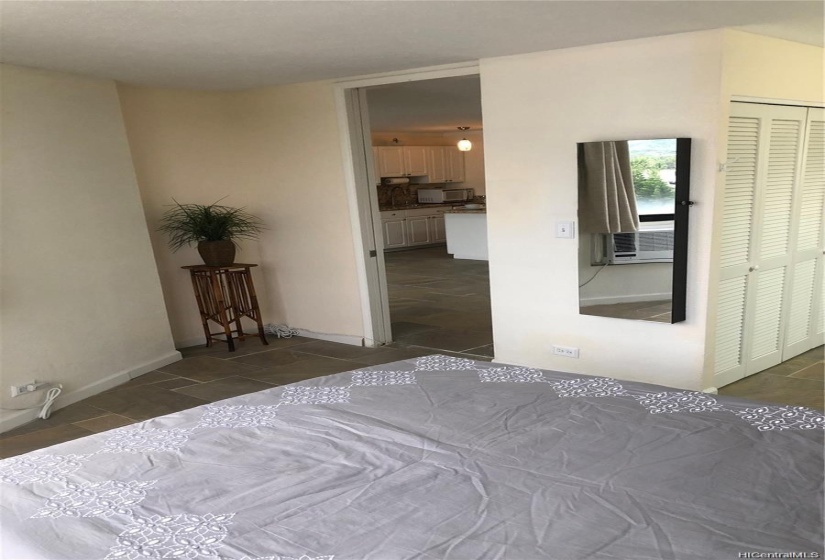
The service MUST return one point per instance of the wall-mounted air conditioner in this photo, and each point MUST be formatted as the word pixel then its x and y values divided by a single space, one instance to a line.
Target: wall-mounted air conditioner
pixel 640 247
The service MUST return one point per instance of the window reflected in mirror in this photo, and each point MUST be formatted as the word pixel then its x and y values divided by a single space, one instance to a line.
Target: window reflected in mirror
pixel 633 200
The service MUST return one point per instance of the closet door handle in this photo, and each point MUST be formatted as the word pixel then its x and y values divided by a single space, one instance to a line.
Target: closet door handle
pixel 753 268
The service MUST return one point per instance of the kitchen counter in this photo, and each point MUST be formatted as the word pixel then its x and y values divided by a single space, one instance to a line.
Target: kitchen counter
pixel 414 206
pixel 461 210
pixel 466 232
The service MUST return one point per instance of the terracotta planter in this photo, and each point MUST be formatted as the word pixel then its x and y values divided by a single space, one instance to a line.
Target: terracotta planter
pixel 217 253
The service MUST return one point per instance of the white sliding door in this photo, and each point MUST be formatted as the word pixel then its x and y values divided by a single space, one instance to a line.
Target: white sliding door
pixel 765 149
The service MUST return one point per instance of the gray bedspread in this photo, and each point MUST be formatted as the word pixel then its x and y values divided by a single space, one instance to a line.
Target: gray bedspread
pixel 431 458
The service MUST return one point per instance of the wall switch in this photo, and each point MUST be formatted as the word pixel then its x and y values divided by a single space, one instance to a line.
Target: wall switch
pixel 566 351
pixel 565 230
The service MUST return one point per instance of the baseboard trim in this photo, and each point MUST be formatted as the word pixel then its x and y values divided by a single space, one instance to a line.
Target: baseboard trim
pixel 711 390
pixel 342 338
pixel 18 418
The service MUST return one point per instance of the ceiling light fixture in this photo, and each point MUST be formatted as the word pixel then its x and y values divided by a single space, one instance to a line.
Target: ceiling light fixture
pixel 464 145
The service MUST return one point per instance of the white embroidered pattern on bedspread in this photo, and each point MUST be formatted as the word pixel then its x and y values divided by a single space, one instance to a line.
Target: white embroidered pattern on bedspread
pixel 238 416
pixel 782 418
pixel 315 395
pixel 95 499
pixel 596 387
pixel 301 557
pixel 439 362
pixel 510 375
pixel 39 468
pixel 678 401
pixel 373 378
pixel 136 440
pixel 173 536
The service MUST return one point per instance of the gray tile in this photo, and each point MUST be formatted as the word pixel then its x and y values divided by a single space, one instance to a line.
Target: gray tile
pixel 12 446
pixel 212 391
pixel 144 402
pixel 242 347
pixel 336 350
pixel 104 423
pixel 449 339
pixel 814 372
pixel 776 389
pixel 207 368
pixel 272 358
pixel 315 366
pixel 145 379
pixel 66 415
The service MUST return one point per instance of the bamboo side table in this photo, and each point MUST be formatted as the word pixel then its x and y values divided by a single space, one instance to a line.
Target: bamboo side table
pixel 225 294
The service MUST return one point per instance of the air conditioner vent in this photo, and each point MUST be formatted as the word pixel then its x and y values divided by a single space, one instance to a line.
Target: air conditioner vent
pixel 640 247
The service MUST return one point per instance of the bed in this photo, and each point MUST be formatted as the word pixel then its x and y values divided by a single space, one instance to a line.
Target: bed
pixel 435 457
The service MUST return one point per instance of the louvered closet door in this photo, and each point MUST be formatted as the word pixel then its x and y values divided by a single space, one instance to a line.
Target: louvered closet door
pixel 805 318
pixel 764 154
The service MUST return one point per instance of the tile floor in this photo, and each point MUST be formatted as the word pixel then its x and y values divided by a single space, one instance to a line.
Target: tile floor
pixel 437 305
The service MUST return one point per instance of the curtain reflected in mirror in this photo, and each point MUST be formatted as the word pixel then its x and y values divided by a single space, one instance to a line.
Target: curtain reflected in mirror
pixel 633 202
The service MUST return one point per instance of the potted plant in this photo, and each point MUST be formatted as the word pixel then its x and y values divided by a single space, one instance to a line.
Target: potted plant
pixel 213 227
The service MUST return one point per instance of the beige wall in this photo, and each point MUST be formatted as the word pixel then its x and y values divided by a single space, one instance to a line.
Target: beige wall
pixel 81 300
pixel 756 67
pixel 536 108
pixel 274 151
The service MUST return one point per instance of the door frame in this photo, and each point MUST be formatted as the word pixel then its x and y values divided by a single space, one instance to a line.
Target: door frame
pixel 359 179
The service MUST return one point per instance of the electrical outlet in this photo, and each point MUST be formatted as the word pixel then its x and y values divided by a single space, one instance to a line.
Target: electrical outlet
pixel 566 351
pixel 17 390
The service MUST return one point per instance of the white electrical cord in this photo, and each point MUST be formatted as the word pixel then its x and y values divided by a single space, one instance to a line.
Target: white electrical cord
pixel 594 276
pixel 51 395
pixel 281 331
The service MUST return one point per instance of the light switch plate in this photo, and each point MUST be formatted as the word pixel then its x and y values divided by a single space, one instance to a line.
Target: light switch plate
pixel 565 230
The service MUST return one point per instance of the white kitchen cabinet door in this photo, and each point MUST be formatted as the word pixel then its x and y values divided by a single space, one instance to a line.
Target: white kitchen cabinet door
pixel 438 233
pixel 454 164
pixel 436 166
pixel 418 230
pixel 395 233
pixel 415 160
pixel 391 161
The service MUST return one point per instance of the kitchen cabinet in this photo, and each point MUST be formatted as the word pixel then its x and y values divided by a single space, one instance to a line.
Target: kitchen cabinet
pixel 445 164
pixel 402 161
pixel 454 165
pixel 415 160
pixel 436 166
pixel 413 228
pixel 394 226
pixel 391 161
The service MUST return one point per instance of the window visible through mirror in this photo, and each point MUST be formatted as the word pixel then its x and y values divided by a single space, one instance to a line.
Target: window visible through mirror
pixel 653 164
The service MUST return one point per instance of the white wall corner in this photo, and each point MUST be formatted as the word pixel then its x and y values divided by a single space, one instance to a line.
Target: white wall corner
pixel 12 419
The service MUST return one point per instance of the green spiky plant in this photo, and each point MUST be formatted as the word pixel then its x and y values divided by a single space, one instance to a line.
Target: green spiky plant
pixel 192 223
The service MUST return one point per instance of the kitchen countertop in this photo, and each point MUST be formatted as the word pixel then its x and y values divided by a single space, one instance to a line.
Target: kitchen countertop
pixel 416 206
pixel 461 210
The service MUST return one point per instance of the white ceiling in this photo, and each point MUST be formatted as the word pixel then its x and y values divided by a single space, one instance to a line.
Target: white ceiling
pixel 426 106
pixel 227 45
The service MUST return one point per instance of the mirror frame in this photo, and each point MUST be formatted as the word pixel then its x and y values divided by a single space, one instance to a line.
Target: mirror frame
pixel 681 221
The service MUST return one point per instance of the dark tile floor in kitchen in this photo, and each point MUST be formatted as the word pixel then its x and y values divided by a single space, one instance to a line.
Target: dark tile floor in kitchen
pixel 438 305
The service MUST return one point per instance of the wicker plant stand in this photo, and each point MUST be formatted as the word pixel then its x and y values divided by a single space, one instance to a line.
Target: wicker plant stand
pixel 225 295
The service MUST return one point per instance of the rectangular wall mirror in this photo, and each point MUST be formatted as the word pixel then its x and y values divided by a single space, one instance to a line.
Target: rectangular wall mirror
pixel 633 228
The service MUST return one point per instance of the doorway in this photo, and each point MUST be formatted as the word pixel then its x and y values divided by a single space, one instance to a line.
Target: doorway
pixel 404 135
